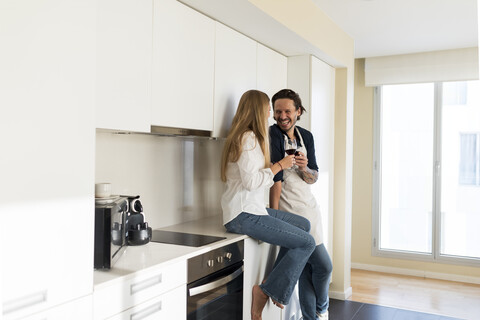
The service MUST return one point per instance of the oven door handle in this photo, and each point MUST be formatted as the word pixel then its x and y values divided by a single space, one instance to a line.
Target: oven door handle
pixel 215 284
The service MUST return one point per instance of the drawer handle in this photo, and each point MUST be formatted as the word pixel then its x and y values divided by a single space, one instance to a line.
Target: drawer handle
pixel 25 302
pixel 147 312
pixel 145 284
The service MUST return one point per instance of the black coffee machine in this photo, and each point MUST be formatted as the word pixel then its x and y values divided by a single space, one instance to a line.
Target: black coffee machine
pixel 138 231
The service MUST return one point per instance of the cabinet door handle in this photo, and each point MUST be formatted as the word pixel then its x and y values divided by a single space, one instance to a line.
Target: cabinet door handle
pixel 25 302
pixel 215 284
pixel 142 314
pixel 145 284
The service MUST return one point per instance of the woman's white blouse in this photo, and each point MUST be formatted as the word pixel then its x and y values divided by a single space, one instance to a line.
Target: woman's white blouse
pixel 246 181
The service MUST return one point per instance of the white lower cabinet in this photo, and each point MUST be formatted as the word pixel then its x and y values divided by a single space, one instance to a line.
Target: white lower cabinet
pixel 130 296
pixel 170 305
pixel 259 258
pixel 80 309
pixel 46 266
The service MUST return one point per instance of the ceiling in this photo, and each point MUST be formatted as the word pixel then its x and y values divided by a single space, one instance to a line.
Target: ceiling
pixel 389 27
pixel 379 27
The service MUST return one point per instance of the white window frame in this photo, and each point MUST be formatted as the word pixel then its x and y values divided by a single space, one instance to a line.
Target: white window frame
pixel 435 256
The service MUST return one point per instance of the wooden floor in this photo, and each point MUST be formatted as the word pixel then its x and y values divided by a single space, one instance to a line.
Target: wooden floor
pixel 447 298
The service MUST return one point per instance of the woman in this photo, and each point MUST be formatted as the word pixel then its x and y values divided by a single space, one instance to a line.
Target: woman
pixel 247 171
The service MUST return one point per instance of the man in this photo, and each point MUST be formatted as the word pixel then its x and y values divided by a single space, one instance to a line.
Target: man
pixel 291 192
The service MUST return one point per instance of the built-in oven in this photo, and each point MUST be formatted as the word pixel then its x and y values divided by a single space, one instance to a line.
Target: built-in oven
pixel 215 284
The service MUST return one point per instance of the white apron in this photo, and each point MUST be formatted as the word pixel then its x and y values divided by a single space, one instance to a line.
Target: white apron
pixel 297 197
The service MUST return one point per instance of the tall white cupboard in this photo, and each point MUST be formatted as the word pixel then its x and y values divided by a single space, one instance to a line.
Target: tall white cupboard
pixel 47 93
pixel 314 81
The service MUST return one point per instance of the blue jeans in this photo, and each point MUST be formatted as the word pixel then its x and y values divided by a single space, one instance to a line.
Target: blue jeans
pixel 314 282
pixel 286 230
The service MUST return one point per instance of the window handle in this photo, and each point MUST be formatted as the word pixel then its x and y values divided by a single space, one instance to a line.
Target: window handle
pixel 437 167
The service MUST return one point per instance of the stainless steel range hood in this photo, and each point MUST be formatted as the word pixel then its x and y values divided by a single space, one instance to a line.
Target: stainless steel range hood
pixel 168 131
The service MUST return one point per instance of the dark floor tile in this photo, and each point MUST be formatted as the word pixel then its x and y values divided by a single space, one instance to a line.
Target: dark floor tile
pixel 351 310
pixel 374 312
pixel 343 310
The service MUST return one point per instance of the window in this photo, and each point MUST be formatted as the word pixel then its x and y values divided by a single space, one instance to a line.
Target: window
pixel 427 181
pixel 469 158
pixel 455 93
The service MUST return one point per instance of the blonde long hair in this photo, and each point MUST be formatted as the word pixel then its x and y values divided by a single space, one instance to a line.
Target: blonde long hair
pixel 251 115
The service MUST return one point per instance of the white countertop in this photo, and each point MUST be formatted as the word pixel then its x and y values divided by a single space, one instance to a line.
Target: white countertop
pixel 138 258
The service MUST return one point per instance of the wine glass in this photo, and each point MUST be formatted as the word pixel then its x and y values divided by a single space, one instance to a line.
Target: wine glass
pixel 290 146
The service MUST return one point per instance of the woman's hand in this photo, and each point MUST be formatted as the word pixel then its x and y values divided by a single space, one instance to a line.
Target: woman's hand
pixel 287 162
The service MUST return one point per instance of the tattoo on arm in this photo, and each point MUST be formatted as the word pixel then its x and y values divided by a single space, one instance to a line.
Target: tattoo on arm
pixel 309 176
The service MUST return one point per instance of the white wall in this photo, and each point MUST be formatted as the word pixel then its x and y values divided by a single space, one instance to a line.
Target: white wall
pixel 177 178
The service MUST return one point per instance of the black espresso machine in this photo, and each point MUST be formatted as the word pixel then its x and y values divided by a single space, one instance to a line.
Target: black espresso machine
pixel 119 221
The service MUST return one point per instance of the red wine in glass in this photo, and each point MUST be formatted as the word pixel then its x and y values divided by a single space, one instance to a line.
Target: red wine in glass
pixel 290 146
pixel 290 151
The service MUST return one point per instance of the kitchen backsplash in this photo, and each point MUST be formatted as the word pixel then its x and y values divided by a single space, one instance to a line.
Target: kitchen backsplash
pixel 178 178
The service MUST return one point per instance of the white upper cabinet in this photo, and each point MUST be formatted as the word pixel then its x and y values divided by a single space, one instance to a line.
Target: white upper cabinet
pixel 235 73
pixel 124 63
pixel 271 72
pixel 183 67
pixel 299 72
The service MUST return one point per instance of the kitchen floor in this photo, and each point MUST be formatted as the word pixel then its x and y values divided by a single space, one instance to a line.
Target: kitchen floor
pixel 352 310
pixel 424 295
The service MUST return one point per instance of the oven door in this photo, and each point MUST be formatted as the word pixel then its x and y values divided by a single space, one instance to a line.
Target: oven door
pixel 217 296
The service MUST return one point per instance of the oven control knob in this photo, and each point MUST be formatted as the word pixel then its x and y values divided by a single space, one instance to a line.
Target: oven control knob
pixel 228 255
pixel 220 259
pixel 210 263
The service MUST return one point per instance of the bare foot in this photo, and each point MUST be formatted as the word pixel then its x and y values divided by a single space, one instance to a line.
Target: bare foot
pixel 259 299
pixel 278 304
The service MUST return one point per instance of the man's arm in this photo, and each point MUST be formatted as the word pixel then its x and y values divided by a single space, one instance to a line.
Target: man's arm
pixel 275 191
pixel 308 175
pixel 307 167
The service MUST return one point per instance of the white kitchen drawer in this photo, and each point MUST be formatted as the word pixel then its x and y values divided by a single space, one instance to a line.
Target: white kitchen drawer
pixel 171 305
pixel 142 286
pixel 79 309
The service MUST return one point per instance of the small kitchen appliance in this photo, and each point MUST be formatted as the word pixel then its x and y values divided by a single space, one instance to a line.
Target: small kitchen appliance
pixel 110 231
pixel 138 231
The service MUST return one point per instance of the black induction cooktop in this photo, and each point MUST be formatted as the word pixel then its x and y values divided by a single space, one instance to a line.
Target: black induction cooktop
pixel 183 239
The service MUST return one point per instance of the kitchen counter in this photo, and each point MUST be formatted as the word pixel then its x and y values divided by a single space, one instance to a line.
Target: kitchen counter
pixel 139 258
